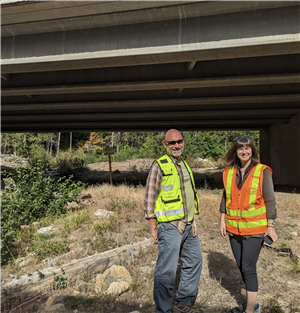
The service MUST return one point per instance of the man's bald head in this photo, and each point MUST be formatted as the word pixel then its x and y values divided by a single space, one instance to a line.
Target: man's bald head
pixel 174 143
pixel 173 134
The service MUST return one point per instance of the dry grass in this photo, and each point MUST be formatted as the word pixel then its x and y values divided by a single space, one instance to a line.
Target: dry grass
pixel 220 287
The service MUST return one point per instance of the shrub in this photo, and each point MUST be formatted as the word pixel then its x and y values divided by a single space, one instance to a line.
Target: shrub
pixel 90 158
pixel 32 197
pixel 67 161
pixel 38 156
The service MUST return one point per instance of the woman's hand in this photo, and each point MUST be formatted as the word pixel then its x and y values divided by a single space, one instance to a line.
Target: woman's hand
pixel 271 232
pixel 223 226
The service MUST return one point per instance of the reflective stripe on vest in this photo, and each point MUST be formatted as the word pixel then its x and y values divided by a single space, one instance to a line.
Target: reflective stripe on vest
pixel 245 218
pixel 169 203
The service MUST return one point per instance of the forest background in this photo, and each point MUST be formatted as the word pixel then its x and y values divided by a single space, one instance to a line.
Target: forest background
pixel 28 195
pixel 88 148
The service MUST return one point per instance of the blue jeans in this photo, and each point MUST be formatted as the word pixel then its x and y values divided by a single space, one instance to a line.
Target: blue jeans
pixel 172 245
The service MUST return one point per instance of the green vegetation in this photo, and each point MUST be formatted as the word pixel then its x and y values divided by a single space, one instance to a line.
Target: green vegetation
pixel 66 161
pixel 44 249
pixel 59 281
pixel 274 305
pixel 127 145
pixel 30 198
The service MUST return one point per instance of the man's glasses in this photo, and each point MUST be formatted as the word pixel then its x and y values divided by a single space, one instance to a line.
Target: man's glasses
pixel 172 143
pixel 237 138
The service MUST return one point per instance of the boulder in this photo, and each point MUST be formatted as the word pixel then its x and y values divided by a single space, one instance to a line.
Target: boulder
pixel 103 214
pixel 114 281
pixel 45 230
pixel 83 287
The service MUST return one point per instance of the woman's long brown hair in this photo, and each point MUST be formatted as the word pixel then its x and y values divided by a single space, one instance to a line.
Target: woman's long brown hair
pixel 231 156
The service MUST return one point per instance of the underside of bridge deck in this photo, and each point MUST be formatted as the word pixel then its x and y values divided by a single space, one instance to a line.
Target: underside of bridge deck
pixel 152 65
pixel 148 65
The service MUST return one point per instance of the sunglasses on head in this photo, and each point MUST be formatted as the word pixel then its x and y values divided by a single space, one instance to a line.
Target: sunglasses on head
pixel 237 138
pixel 180 141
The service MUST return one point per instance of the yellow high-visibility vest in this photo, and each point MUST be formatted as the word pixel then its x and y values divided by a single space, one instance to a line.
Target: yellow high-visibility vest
pixel 169 203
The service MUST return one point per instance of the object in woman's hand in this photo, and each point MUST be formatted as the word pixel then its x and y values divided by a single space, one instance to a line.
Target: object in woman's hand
pixel 268 240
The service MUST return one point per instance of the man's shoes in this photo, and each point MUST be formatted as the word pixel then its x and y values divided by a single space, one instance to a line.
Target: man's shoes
pixel 180 308
pixel 242 308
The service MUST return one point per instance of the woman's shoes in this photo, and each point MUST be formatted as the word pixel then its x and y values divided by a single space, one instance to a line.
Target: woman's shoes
pixel 242 308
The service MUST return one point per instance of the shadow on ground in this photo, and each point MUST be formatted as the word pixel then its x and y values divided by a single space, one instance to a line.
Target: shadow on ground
pixel 226 272
pixel 93 177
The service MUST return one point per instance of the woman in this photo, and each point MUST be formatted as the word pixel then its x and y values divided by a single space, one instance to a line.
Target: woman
pixel 247 213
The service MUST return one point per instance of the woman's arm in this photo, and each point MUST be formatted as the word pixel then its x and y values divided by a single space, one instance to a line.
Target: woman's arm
pixel 223 225
pixel 269 198
pixel 222 211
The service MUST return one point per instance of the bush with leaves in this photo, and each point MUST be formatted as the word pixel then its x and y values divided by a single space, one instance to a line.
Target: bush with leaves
pixel 38 156
pixel 68 160
pixel 32 197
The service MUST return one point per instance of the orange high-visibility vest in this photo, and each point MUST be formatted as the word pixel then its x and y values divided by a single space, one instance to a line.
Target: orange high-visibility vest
pixel 245 208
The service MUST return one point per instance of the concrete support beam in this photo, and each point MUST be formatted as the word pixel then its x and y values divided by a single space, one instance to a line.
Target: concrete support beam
pixel 6 77
pixel 289 78
pixel 236 35
pixel 152 116
pixel 264 99
pixel 140 123
pixel 191 65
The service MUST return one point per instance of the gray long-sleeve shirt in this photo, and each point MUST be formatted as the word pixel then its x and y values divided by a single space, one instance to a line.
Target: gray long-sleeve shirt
pixel 267 189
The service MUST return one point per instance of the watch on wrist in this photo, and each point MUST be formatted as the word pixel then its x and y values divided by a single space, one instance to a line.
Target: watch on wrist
pixel 272 222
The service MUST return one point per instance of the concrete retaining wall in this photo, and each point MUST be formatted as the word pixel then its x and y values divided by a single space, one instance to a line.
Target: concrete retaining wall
pixel 280 148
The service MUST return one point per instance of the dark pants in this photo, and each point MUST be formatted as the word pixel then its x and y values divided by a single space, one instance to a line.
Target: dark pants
pixel 246 252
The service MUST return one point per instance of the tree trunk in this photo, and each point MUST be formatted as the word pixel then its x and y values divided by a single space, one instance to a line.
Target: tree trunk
pixel 118 142
pixel 50 148
pixel 57 143
pixel 70 141
pixel 6 143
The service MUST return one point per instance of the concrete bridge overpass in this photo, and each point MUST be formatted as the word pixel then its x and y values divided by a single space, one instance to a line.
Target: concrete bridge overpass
pixel 151 65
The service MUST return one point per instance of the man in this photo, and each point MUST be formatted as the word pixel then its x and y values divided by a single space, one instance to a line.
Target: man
pixel 171 202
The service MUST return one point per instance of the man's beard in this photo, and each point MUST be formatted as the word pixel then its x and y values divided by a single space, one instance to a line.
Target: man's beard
pixel 171 152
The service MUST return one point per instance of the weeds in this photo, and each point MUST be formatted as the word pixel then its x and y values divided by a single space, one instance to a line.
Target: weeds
pixel 81 218
pixel 274 305
pixel 293 307
pixel 134 287
pixel 46 248
pixel 216 192
pixel 289 225
pixel 205 186
pixel 119 206
pixel 59 281
pixel 289 238
pixel 294 268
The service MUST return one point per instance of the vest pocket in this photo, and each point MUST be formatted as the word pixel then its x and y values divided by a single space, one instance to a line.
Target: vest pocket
pixel 170 201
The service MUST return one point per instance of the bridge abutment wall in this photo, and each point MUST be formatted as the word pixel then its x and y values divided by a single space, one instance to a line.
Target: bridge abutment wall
pixel 280 149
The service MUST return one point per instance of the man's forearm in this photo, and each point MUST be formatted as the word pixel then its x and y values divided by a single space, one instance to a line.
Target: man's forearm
pixel 153 228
